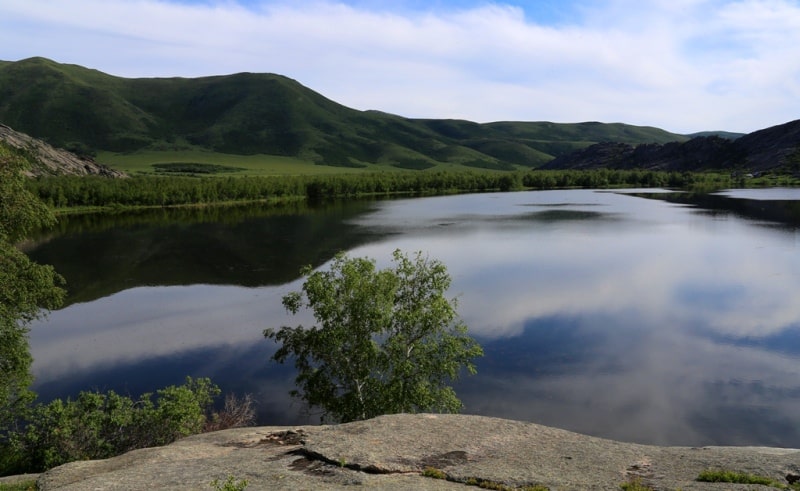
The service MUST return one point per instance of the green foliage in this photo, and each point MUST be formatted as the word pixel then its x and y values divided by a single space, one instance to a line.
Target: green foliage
pixel 100 425
pixel 89 191
pixel 70 191
pixel 732 477
pixel 635 485
pixel 498 486
pixel 25 288
pixel 720 475
pixel 20 211
pixel 435 473
pixel 230 484
pixel 387 341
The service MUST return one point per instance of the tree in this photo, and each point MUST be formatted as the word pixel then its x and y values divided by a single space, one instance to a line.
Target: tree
pixel 387 341
pixel 25 287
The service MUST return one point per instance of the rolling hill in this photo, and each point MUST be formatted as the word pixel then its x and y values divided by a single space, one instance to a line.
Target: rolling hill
pixel 85 110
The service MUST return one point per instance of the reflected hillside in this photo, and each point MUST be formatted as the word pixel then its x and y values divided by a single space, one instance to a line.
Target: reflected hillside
pixel 773 210
pixel 250 246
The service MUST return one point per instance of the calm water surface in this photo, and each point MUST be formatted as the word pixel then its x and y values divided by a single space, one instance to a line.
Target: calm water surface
pixel 653 317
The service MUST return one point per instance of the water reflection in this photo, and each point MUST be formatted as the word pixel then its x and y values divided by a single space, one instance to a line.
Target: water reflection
pixel 255 245
pixel 646 320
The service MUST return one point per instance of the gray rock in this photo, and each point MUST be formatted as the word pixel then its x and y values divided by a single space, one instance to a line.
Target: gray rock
pixel 54 161
pixel 392 452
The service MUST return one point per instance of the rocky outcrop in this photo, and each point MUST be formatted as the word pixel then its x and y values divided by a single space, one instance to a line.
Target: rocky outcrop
pixel 778 145
pixel 48 160
pixel 700 153
pixel 763 150
pixel 423 452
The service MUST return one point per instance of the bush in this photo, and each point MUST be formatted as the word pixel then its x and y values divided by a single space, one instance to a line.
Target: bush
pixel 230 484
pixel 100 425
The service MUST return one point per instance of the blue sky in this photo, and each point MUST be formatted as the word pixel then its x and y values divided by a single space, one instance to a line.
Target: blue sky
pixel 681 65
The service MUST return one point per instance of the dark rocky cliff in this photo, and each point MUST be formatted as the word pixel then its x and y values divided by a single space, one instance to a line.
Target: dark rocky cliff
pixel 763 150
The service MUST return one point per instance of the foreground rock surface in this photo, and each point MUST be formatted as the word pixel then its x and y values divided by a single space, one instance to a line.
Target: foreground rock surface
pixel 391 452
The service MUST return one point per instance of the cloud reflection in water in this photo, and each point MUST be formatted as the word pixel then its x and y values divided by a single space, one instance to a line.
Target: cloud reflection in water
pixel 603 313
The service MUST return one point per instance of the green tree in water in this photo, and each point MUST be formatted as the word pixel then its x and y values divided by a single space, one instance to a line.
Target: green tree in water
pixel 26 288
pixel 386 341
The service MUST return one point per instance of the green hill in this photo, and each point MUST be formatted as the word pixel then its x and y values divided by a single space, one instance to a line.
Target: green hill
pixel 250 113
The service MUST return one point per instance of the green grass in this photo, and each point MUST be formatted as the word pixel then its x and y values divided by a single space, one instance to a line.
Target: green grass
pixel 635 485
pixel 20 486
pixel 250 165
pixel 434 473
pixel 735 477
pixel 147 163
pixel 498 486
pixel 230 484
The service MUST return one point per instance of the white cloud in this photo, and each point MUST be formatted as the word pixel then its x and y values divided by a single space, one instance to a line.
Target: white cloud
pixel 685 65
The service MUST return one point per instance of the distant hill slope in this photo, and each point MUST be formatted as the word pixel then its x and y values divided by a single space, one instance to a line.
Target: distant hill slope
pixel 772 148
pixel 249 113
pixel 724 134
pixel 47 160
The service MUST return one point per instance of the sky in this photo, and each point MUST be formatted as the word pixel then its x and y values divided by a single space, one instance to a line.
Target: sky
pixel 681 65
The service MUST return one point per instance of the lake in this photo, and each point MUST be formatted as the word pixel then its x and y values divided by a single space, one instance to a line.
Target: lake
pixel 639 315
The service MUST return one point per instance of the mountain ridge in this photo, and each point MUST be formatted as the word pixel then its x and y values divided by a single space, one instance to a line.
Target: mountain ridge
pixel 256 113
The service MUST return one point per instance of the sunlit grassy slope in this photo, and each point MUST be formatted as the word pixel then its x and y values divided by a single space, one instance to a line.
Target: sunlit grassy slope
pixel 254 115
pixel 252 165
pixel 148 161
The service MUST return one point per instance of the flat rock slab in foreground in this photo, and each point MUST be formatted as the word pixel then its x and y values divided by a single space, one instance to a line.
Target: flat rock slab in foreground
pixel 390 453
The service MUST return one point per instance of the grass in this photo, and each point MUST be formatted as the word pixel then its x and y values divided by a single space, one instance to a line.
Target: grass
pixel 230 484
pixel 435 473
pixel 20 486
pixel 152 162
pixel 735 477
pixel 635 485
pixel 497 486
pixel 147 162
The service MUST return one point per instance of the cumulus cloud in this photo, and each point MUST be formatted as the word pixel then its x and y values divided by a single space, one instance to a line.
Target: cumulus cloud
pixel 685 65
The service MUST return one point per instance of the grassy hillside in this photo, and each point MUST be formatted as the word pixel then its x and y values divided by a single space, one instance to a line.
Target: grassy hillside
pixel 266 115
pixel 722 134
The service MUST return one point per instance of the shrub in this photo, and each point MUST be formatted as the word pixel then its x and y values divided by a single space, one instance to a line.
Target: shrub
pixel 230 484
pixel 100 425
pixel 733 477
pixel 237 412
